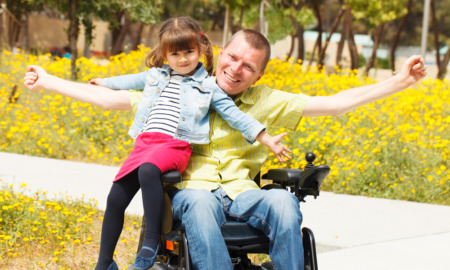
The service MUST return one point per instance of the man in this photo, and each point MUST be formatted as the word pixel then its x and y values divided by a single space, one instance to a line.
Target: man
pixel 217 185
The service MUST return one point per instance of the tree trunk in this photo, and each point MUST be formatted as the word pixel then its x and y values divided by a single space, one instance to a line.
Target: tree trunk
pixel 444 64
pixel 24 36
pixel 226 25
pixel 121 36
pixel 319 25
pixel 263 25
pixel 377 38
pixel 13 30
pixel 136 40
pixel 238 26
pixel 397 36
pixel 1 29
pixel 73 35
pixel 291 49
pixel 436 36
pixel 341 44
pixel 311 59
pixel 299 35
pixel 321 59
pixel 318 43
pixel 301 44
pixel 351 41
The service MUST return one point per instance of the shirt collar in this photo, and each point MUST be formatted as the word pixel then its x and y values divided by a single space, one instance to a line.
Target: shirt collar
pixel 246 97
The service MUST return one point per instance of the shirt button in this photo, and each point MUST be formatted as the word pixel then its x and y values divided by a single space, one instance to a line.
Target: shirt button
pixel 158 90
pixel 184 105
pixel 249 137
pixel 179 135
pixel 142 119
pixel 182 119
pixel 149 105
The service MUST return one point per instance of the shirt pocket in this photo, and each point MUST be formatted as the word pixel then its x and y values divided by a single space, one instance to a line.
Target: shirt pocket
pixel 202 96
pixel 151 85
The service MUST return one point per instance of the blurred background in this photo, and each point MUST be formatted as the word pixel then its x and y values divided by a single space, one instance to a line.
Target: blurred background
pixel 356 34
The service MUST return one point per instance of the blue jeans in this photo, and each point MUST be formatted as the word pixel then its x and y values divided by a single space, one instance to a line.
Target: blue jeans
pixel 276 212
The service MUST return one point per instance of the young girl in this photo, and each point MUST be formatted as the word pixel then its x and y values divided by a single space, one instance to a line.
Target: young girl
pixel 172 114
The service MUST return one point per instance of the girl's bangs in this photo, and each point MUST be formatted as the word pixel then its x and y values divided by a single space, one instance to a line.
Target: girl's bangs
pixel 179 41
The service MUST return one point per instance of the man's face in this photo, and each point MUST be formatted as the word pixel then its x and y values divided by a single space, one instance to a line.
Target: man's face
pixel 238 67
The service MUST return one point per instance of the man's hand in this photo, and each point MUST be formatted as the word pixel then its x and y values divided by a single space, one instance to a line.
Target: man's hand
pixel 413 70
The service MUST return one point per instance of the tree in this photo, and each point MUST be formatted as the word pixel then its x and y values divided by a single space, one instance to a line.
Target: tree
pixel 121 14
pixel 347 34
pixel 17 20
pixel 376 14
pixel 397 35
pixel 83 11
pixel 440 63
pixel 301 16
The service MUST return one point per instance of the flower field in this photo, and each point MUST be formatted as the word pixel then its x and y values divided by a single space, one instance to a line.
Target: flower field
pixel 395 148
pixel 41 233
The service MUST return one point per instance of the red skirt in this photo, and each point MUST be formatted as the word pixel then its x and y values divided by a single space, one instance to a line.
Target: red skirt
pixel 159 149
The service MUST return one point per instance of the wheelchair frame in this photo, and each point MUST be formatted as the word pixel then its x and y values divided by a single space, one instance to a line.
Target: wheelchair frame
pixel 174 252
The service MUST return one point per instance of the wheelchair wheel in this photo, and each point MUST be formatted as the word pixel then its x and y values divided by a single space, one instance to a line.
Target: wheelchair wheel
pixel 267 266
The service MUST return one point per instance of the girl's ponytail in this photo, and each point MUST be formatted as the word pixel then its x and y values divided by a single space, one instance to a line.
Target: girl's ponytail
pixel 154 58
pixel 208 52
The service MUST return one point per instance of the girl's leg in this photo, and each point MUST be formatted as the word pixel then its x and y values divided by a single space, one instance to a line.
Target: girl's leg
pixel 120 196
pixel 152 198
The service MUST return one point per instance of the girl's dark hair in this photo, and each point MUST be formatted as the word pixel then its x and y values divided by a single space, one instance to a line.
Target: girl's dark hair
pixel 179 34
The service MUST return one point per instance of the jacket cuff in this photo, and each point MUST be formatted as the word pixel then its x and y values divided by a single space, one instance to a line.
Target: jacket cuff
pixel 253 132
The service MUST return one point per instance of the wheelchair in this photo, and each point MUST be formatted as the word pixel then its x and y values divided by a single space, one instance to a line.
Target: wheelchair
pixel 240 238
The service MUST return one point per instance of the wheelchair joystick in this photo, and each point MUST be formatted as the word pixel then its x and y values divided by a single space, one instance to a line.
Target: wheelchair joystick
pixel 310 157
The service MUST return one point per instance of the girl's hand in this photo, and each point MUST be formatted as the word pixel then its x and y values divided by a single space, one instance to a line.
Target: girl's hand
pixel 96 81
pixel 34 78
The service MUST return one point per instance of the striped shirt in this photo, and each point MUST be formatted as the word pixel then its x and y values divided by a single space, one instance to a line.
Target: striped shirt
pixel 166 113
pixel 229 161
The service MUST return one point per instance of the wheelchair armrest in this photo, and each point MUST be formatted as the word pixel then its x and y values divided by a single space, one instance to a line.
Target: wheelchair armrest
pixel 171 177
pixel 303 182
pixel 311 179
pixel 283 175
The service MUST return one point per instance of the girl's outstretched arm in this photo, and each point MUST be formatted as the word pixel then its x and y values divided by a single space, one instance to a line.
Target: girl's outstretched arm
pixel 37 78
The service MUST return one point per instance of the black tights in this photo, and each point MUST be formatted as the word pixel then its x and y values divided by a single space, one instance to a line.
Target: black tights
pixel 148 178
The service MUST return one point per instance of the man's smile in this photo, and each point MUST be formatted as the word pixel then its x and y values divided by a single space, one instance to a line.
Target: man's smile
pixel 230 78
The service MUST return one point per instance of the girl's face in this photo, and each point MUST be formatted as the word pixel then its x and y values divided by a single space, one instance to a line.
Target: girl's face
pixel 184 62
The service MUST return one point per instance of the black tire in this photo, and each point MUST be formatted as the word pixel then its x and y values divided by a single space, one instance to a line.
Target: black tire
pixel 268 266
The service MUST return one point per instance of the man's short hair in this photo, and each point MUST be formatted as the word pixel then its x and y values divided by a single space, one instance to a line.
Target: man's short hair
pixel 256 40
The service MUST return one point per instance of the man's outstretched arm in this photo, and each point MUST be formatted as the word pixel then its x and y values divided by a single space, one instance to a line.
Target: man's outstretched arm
pixel 412 71
pixel 37 78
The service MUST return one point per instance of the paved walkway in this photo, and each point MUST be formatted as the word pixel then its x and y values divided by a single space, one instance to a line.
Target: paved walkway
pixel 352 232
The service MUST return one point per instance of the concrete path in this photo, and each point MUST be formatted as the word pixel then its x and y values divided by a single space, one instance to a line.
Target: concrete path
pixel 352 232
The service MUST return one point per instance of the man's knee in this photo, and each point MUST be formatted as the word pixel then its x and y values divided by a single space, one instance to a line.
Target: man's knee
pixel 284 205
pixel 197 204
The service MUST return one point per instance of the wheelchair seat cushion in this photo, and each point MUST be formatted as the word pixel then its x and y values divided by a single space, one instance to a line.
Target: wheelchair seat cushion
pixel 238 233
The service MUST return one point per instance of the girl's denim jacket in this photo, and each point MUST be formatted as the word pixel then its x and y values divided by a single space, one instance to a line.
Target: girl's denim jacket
pixel 197 93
